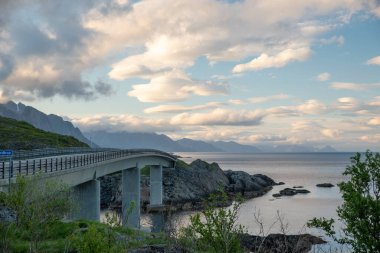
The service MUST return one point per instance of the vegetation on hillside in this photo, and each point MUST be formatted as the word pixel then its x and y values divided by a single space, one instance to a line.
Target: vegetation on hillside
pixel 19 135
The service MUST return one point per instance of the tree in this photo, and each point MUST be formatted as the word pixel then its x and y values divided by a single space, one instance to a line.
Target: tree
pixel 360 211
pixel 218 230
pixel 37 203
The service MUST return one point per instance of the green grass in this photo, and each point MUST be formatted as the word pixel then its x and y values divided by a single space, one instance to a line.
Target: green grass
pixel 19 135
pixel 60 236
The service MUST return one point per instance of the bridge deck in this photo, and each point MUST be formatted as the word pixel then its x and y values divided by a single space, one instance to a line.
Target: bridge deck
pixel 54 162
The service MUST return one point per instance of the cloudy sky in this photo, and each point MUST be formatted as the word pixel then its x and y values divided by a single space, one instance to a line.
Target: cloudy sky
pixel 255 71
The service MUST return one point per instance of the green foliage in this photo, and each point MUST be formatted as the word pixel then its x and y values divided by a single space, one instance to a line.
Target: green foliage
pixel 37 204
pixel 94 240
pixel 145 171
pixel 182 165
pixel 19 135
pixel 360 211
pixel 216 230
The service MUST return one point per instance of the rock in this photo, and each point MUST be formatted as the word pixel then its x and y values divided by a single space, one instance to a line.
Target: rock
pixel 280 183
pixel 303 191
pixel 186 186
pixel 290 192
pixel 7 214
pixel 325 185
pixel 297 187
pixel 279 243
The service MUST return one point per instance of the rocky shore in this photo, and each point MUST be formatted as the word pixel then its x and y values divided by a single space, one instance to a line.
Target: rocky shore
pixel 187 185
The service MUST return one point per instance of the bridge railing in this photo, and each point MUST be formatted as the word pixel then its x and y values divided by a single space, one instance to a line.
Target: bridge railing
pixel 65 162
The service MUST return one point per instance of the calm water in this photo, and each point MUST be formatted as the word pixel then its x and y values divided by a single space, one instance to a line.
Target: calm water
pixel 294 169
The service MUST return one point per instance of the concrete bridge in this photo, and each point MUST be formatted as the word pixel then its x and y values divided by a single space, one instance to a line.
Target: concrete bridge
pixel 80 169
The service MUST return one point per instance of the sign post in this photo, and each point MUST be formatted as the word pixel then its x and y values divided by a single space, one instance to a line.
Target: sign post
pixel 8 154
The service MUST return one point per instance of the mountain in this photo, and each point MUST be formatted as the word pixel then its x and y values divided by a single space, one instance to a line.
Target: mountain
pixel 234 147
pixel 19 135
pixel 327 149
pixel 190 145
pixel 129 140
pixel 50 123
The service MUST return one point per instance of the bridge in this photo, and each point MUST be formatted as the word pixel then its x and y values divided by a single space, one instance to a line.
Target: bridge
pixel 81 168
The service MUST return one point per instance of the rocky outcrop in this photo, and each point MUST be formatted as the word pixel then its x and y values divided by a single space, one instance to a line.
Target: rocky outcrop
pixel 290 192
pixel 325 185
pixel 186 186
pixel 279 243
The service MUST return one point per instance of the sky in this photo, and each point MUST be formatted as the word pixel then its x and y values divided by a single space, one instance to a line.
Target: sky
pixel 260 72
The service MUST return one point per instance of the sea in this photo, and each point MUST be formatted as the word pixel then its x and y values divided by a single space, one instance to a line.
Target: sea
pixel 266 214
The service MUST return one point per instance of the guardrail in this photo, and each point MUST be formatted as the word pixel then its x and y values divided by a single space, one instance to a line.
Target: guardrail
pixel 65 162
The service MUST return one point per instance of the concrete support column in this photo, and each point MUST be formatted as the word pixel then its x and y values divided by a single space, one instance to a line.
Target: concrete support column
pixel 87 199
pixel 156 185
pixel 131 194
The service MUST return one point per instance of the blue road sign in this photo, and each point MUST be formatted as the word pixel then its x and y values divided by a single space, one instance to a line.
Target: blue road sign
pixel 6 152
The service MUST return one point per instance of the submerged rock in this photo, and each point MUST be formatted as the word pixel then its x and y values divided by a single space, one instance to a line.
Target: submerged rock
pixel 325 185
pixel 290 192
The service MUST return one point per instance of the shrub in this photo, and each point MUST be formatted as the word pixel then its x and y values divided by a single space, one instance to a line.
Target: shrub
pixel 360 211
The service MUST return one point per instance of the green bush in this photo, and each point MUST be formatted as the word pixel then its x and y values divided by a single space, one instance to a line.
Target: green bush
pixel 216 230
pixel 360 211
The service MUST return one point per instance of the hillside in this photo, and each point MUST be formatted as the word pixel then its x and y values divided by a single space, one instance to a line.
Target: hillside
pixel 19 135
pixel 50 123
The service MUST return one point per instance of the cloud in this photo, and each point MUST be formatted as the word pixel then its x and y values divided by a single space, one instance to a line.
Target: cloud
pixel 325 76
pixel 181 108
pixel 175 86
pixel 348 103
pixel 220 117
pixel 276 61
pixel 334 39
pixel 371 138
pixel 258 100
pixel 331 133
pixel 374 121
pixel 354 86
pixel 265 138
pixel 312 107
pixel 124 122
pixel 374 60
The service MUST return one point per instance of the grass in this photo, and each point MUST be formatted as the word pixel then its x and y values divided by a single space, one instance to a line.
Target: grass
pixel 60 235
pixel 19 135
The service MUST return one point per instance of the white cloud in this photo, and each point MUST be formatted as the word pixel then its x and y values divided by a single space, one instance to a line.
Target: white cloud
pixel 257 100
pixel 354 86
pixel 123 122
pixel 374 121
pixel 220 117
pixel 325 76
pixel 348 103
pixel 312 107
pixel 174 86
pixel 371 138
pixel 236 101
pixel 265 138
pixel 182 108
pixel 276 61
pixel 374 60
pixel 331 133
pixel 334 39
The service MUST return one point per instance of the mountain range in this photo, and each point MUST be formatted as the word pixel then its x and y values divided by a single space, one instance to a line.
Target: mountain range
pixel 129 140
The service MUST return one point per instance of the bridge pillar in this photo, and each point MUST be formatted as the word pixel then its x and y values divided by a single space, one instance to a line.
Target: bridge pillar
pixel 87 198
pixel 155 185
pixel 131 194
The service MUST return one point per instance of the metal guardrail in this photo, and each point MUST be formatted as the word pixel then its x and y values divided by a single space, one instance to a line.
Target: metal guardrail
pixel 64 161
